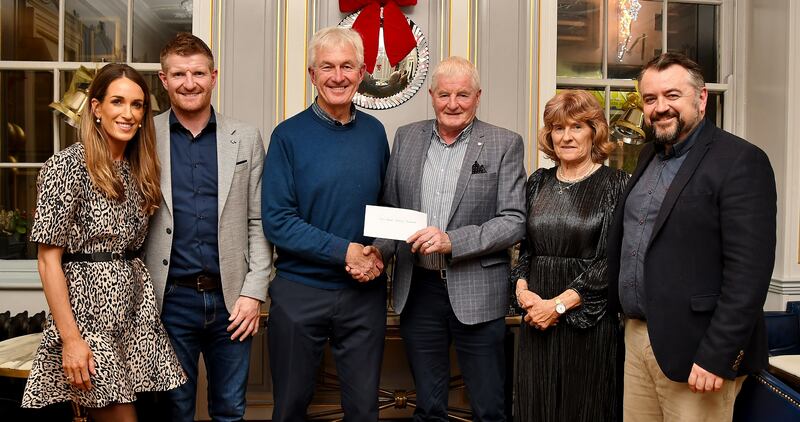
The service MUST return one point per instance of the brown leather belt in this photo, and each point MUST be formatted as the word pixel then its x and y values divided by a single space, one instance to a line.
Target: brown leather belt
pixel 203 282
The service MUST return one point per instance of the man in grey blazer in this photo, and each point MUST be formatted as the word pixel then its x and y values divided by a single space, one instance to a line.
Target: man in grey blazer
pixel 451 279
pixel 206 251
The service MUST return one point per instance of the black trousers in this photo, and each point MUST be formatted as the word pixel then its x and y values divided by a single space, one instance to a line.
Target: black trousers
pixel 302 319
pixel 428 327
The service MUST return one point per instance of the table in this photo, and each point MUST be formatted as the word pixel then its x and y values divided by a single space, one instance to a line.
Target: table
pixel 16 355
pixel 16 359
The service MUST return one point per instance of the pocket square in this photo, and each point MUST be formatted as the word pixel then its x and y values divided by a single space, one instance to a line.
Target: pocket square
pixel 478 168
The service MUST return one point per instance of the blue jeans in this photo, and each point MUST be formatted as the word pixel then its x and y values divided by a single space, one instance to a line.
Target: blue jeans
pixel 196 322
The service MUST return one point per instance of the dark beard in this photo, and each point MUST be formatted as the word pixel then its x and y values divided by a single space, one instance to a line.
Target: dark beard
pixel 666 139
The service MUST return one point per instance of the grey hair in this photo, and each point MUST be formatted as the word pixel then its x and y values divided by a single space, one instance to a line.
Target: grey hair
pixel 455 65
pixel 335 36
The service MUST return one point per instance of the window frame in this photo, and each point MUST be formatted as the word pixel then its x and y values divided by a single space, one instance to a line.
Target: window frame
pixel 22 274
pixel 550 81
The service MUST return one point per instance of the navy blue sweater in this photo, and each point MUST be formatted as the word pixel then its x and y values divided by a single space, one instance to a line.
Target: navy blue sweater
pixel 318 178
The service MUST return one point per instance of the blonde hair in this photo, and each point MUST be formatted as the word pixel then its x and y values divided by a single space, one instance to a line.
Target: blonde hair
pixel 581 106
pixel 453 66
pixel 140 151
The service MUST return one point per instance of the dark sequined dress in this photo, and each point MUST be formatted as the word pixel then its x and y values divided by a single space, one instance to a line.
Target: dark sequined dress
pixel 569 372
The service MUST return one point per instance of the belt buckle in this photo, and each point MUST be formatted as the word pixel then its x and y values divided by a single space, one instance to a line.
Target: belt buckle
pixel 443 275
pixel 199 280
pixel 116 256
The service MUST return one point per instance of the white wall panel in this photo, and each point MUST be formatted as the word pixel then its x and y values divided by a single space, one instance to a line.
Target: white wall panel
pixel 505 54
pixel 770 115
pixel 248 77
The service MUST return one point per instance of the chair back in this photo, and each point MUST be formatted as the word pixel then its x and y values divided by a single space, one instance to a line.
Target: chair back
pixel 783 332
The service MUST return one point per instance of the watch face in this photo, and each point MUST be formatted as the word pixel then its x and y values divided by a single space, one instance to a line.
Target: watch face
pixel 560 308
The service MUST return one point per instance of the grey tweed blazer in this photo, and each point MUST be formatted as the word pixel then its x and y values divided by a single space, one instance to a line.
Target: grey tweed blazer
pixel 245 255
pixel 486 218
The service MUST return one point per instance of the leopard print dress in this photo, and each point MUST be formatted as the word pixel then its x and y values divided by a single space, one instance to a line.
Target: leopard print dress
pixel 113 302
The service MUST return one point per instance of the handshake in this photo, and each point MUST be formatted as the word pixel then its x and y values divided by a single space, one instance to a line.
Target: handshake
pixel 363 263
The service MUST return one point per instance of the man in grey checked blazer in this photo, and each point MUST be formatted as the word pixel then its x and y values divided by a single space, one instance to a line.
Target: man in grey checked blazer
pixel 451 278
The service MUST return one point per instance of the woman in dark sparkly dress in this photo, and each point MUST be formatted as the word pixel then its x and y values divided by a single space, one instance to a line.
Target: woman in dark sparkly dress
pixel 567 365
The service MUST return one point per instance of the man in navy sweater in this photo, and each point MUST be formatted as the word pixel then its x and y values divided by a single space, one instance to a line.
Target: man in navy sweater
pixel 323 167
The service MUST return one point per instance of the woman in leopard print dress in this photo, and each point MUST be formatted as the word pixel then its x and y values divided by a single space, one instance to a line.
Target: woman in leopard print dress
pixel 104 340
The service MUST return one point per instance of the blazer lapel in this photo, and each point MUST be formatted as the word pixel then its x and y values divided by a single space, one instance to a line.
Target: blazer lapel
pixel 420 141
pixel 476 140
pixel 163 149
pixel 696 154
pixel 227 151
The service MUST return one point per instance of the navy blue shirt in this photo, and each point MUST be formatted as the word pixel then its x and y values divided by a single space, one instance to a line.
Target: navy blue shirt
pixel 641 209
pixel 194 199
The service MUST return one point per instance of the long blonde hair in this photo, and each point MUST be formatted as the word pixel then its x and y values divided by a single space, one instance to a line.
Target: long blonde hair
pixel 140 151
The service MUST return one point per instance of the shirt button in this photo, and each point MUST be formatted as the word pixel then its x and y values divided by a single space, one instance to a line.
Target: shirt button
pixel 169 230
pixel 650 192
pixel 641 222
pixel 165 262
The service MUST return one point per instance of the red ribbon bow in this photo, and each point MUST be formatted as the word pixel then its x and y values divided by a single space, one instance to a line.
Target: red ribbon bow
pixel 397 35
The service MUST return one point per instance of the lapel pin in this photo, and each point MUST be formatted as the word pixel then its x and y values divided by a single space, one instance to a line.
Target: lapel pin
pixel 480 143
pixel 233 141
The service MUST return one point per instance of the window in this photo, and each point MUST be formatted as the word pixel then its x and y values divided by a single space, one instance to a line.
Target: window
pixel 42 44
pixel 602 44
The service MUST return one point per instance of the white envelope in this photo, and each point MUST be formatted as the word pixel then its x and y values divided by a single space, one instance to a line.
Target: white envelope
pixel 393 223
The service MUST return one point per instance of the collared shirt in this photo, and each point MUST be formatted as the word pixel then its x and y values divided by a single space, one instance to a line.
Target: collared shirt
pixel 641 209
pixel 193 161
pixel 439 178
pixel 327 117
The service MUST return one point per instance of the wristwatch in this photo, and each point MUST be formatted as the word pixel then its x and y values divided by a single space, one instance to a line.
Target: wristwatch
pixel 560 307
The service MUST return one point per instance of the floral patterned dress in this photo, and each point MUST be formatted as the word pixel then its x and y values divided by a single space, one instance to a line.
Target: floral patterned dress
pixel 113 301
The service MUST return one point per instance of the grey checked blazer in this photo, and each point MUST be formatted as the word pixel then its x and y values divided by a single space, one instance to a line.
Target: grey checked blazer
pixel 245 255
pixel 487 217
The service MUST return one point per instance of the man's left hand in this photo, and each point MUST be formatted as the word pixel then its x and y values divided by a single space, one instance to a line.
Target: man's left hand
pixel 245 316
pixel 701 380
pixel 430 240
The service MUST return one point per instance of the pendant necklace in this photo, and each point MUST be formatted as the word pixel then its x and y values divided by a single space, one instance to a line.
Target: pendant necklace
pixel 567 183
